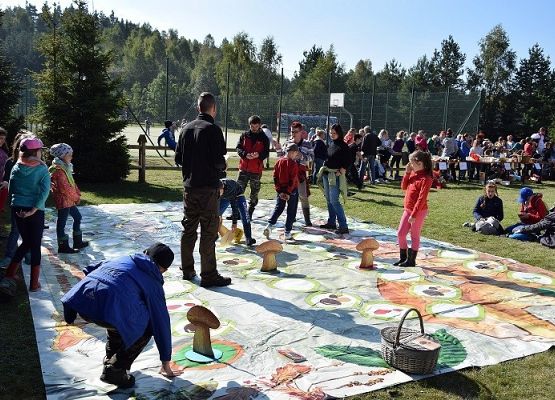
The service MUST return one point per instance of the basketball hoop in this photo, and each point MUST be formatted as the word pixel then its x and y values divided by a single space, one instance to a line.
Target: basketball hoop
pixel 337 100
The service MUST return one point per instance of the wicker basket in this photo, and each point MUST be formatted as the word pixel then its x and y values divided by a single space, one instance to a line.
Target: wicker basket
pixel 408 350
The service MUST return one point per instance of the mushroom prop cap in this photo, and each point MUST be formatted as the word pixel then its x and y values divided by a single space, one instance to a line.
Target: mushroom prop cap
pixel 368 244
pixel 199 315
pixel 269 246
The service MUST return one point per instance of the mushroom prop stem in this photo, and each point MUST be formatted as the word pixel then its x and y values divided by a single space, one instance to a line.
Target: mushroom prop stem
pixel 367 246
pixel 269 250
pixel 203 319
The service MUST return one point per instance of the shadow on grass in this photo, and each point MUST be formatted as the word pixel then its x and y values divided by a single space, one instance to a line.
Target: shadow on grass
pixel 385 203
pixel 131 191
pixel 458 384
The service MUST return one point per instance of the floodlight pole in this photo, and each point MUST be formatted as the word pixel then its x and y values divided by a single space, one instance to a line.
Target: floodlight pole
pixel 329 110
pixel 167 87
pixel 227 100
pixel 279 107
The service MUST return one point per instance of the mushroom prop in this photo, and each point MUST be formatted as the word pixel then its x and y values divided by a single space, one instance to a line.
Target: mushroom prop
pixel 226 234
pixel 268 250
pixel 203 319
pixel 367 246
pixel 237 235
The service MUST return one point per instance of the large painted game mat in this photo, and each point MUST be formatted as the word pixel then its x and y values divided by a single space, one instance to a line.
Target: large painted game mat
pixel 482 309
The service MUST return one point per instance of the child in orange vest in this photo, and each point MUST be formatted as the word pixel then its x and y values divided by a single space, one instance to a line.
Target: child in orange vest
pixel 66 197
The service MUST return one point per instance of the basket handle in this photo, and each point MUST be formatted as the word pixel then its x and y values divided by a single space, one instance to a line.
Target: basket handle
pixel 396 344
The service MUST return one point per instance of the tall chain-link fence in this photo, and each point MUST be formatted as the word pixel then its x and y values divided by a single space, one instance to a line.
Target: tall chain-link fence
pixel 430 111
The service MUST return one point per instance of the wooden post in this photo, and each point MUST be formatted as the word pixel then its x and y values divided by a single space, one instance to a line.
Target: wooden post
pixel 142 158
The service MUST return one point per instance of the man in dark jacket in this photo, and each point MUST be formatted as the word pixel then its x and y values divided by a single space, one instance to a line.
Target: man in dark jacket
pixel 253 147
pixel 369 149
pixel 200 152
pixel 125 295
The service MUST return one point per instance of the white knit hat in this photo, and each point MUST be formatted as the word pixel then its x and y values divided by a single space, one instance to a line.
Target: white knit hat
pixel 60 150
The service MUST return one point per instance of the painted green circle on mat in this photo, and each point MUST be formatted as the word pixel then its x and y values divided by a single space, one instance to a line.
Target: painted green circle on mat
pixel 294 284
pixel 229 352
pixel 458 254
pixel 333 301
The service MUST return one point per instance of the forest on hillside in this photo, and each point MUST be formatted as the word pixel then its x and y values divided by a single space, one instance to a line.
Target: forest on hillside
pixel 518 96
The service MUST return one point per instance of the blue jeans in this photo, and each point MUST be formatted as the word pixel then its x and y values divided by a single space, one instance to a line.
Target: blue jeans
pixel 291 210
pixel 63 214
pixel 335 209
pixel 525 237
pixel 370 163
pixel 318 162
pixel 241 204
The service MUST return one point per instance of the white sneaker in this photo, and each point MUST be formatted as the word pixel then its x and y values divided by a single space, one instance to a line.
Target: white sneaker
pixel 288 236
pixel 268 231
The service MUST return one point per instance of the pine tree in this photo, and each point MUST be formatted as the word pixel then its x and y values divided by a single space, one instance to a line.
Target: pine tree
pixel 78 103
pixel 9 93
pixel 534 87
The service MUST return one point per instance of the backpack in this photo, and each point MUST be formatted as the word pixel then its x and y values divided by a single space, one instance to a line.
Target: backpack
pixel 488 226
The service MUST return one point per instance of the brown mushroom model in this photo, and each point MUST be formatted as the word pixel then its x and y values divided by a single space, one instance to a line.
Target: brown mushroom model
pixel 203 319
pixel 367 246
pixel 268 250
pixel 226 234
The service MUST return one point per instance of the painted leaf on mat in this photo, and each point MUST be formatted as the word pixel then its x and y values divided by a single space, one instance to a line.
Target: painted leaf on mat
pixel 354 355
pixel 452 351
pixel 239 393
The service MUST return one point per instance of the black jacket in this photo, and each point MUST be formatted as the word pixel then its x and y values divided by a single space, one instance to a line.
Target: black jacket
pixel 486 207
pixel 547 224
pixel 370 144
pixel 338 155
pixel 320 149
pixel 200 152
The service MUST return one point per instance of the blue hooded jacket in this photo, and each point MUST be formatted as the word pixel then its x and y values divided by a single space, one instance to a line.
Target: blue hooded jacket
pixel 127 294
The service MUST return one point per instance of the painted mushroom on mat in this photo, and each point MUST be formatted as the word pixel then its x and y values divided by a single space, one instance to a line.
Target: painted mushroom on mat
pixel 367 246
pixel 203 319
pixel 269 250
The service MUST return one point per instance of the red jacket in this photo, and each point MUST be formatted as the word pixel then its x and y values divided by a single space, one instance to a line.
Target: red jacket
pixel 250 142
pixel 417 186
pixel 536 209
pixel 286 178
pixel 64 194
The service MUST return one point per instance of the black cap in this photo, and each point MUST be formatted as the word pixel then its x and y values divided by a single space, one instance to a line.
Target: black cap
pixel 160 254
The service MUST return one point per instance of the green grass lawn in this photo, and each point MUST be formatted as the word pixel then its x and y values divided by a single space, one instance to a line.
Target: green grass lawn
pixel 529 378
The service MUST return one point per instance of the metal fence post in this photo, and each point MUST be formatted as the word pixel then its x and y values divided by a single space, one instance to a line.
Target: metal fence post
pixel 227 100
pixel 142 158
pixel 329 111
pixel 279 107
pixel 386 107
pixel 411 106
pixel 372 101
pixel 446 109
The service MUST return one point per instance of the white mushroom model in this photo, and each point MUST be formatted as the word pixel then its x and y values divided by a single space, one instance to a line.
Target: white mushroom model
pixel 203 319
pixel 367 246
pixel 269 250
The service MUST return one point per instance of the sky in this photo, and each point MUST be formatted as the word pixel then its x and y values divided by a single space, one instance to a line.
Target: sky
pixel 372 29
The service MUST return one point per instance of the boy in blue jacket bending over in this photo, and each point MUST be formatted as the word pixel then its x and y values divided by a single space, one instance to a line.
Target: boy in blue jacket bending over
pixel 125 296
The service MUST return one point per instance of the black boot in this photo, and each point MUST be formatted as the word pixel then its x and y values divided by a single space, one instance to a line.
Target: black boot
pixel 411 259
pixel 63 247
pixel 306 213
pixel 78 242
pixel 117 376
pixel 403 256
pixel 251 212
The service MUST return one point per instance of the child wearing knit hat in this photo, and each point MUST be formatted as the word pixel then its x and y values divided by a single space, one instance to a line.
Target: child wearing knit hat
pixel 66 197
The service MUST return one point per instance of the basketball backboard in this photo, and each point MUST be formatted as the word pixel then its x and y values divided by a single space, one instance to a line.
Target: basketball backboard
pixel 337 99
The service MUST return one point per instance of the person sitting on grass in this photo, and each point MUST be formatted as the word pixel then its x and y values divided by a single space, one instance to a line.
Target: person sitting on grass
pixel 532 211
pixel 126 296
pixel 231 193
pixel 547 225
pixel 286 182
pixel 488 207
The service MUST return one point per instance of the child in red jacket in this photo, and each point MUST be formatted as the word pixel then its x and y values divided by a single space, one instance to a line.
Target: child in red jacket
pixel 66 197
pixel 416 183
pixel 532 211
pixel 286 182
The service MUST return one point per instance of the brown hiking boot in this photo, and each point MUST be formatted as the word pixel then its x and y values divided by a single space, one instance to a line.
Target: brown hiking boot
pixel 189 275
pixel 217 280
